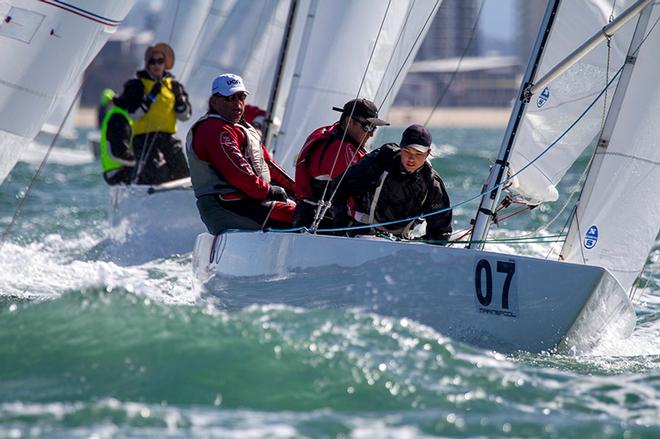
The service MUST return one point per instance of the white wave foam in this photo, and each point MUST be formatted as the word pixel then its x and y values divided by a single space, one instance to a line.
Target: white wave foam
pixel 47 269
pixel 35 153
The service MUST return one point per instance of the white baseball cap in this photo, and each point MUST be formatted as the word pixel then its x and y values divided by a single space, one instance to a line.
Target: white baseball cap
pixel 228 84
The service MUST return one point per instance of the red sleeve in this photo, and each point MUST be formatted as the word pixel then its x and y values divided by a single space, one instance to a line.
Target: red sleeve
pixel 218 144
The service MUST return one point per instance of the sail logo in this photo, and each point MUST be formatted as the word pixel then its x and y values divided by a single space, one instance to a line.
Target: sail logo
pixel 543 97
pixel 591 237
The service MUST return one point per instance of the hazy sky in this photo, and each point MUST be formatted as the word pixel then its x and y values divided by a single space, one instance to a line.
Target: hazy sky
pixel 497 18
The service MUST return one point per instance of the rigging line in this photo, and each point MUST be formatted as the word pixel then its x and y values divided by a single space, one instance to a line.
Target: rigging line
pixel 426 24
pixel 193 49
pixel 503 182
pixel 322 207
pixel 635 289
pixel 33 180
pixel 176 14
pixel 458 66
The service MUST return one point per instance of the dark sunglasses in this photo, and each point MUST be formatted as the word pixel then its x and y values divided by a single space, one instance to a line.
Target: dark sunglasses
pixel 157 61
pixel 234 97
pixel 367 127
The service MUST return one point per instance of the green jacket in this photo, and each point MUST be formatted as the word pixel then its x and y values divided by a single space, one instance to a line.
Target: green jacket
pixel 110 159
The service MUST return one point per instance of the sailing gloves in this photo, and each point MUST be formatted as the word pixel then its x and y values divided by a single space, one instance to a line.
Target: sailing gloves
pixel 277 193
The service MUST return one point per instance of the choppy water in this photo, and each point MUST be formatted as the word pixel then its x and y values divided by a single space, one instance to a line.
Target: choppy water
pixel 90 349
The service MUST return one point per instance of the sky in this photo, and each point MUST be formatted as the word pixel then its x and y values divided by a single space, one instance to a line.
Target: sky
pixel 497 18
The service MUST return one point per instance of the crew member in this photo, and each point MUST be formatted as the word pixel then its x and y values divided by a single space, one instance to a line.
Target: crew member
pixel 329 151
pixel 236 182
pixel 392 183
pixel 157 100
pixel 117 158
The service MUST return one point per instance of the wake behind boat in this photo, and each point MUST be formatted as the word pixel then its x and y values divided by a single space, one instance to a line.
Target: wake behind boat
pixel 152 221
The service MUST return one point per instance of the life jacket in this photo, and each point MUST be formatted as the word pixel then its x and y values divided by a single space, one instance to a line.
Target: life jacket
pixel 160 117
pixel 108 161
pixel 308 186
pixel 205 179
pixel 365 209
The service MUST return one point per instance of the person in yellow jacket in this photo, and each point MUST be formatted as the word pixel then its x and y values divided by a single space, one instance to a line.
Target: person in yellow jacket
pixel 116 156
pixel 156 100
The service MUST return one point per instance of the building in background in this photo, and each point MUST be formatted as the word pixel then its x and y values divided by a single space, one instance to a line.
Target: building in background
pixel 529 16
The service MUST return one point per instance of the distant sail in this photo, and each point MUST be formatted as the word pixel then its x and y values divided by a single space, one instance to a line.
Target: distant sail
pixel 555 108
pixel 45 46
pixel 618 216
pixel 329 71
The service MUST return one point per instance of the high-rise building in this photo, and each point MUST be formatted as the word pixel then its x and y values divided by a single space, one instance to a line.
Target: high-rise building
pixel 451 31
pixel 530 14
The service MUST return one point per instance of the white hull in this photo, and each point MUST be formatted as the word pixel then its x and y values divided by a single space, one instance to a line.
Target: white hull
pixel 152 222
pixel 548 304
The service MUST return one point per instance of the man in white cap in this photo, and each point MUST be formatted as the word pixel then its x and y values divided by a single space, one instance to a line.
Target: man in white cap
pixel 236 182
pixel 392 183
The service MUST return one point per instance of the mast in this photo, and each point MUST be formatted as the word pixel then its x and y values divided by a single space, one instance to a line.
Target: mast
pixel 492 188
pixel 277 81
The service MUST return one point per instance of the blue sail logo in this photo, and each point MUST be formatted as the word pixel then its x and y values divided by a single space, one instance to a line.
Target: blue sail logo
pixel 591 237
pixel 543 97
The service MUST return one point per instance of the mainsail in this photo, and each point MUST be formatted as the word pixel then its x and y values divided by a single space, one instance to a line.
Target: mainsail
pixel 558 105
pixel 362 58
pixel 237 37
pixel 46 45
pixel 618 215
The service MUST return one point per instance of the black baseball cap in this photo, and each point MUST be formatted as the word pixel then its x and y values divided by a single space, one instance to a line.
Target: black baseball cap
pixel 418 137
pixel 363 109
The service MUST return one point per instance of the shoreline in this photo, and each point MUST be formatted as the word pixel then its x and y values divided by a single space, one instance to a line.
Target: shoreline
pixel 462 117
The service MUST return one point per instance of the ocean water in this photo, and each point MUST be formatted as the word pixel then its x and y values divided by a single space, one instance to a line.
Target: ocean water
pixel 92 349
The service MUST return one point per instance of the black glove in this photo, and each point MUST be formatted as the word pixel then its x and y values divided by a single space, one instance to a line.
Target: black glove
pixel 277 193
pixel 177 89
pixel 154 92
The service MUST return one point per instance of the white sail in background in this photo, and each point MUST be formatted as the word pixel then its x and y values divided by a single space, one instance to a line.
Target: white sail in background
pixel 242 38
pixel 330 71
pixel 618 216
pixel 553 111
pixel 45 46
pixel 181 27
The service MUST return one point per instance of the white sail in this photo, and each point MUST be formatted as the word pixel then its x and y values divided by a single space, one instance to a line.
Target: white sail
pixel 46 45
pixel 242 38
pixel 330 70
pixel 553 111
pixel 618 216
pixel 181 25
pixel 69 99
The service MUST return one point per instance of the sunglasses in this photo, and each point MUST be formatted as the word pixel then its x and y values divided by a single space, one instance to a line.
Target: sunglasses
pixel 367 127
pixel 234 97
pixel 157 61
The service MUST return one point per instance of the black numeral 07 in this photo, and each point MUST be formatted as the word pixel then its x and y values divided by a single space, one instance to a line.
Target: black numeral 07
pixel 483 266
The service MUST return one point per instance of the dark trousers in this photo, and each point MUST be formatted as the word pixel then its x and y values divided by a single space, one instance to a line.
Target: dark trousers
pixel 245 214
pixel 160 158
pixel 119 176
pixel 304 216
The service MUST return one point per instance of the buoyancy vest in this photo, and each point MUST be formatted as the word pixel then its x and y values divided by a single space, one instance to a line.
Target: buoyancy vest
pixel 367 210
pixel 108 162
pixel 208 181
pixel 161 116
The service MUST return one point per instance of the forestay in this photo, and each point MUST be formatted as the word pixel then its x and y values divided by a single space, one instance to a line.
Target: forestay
pixel 330 71
pixel 561 103
pixel 618 215
pixel 45 45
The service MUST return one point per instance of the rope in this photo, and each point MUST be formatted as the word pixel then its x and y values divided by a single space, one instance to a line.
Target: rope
pixel 33 180
pixel 323 207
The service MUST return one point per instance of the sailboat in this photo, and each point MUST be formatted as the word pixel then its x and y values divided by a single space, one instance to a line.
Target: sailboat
pixel 508 302
pixel 45 46
pixel 208 37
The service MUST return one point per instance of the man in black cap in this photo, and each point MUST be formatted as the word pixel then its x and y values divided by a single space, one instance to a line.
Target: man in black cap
pixel 329 151
pixel 393 183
